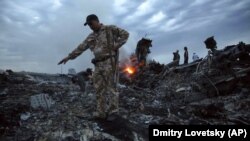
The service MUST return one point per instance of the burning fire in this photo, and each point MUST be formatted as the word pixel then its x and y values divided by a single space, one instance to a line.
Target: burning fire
pixel 130 70
pixel 130 66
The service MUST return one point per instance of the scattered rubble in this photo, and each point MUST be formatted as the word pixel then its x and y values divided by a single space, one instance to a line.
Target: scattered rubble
pixel 45 107
pixel 41 101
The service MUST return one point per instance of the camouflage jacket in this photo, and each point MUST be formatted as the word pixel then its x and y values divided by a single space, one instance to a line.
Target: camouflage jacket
pixel 97 42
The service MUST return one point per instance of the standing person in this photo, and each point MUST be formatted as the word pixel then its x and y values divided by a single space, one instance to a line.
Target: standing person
pixel 185 55
pixel 177 57
pixel 104 42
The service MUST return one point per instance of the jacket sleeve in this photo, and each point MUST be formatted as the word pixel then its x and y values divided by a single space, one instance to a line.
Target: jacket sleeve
pixel 121 36
pixel 80 48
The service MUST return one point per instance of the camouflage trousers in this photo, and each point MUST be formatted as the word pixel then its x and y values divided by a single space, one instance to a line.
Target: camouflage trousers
pixel 107 96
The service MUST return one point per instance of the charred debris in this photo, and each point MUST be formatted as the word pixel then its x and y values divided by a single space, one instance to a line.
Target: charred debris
pixel 213 90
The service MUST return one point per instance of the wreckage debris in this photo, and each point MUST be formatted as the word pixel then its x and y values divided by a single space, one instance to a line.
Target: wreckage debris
pixel 41 101
pixel 47 107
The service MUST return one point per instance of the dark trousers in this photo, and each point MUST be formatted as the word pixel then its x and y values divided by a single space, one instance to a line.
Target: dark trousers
pixel 185 60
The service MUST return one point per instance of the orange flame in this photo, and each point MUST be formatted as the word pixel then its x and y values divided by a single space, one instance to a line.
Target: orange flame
pixel 130 70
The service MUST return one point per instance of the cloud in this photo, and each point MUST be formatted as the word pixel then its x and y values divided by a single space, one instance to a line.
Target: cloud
pixel 154 20
pixel 35 35
pixel 56 4
pixel 189 23
pixel 39 34
pixel 143 9
pixel 119 7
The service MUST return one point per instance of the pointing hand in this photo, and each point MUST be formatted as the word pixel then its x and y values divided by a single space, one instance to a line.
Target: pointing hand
pixel 64 60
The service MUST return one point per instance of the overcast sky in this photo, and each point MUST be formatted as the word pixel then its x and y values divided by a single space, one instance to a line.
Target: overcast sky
pixel 36 34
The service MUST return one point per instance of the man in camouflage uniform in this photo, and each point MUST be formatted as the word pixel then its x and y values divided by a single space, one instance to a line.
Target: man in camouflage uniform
pixel 104 42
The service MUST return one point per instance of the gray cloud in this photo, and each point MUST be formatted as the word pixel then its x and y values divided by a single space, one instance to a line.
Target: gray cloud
pixel 189 23
pixel 36 35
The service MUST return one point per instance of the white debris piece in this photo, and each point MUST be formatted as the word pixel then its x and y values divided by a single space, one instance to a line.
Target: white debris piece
pixel 183 89
pixel 31 78
pixel 41 100
pixel 25 116
pixel 87 134
pixel 121 86
pixel 156 103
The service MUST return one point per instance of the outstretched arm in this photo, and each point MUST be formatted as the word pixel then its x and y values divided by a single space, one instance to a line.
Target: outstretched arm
pixel 76 52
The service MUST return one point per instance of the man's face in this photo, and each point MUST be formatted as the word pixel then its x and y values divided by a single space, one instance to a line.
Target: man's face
pixel 94 25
